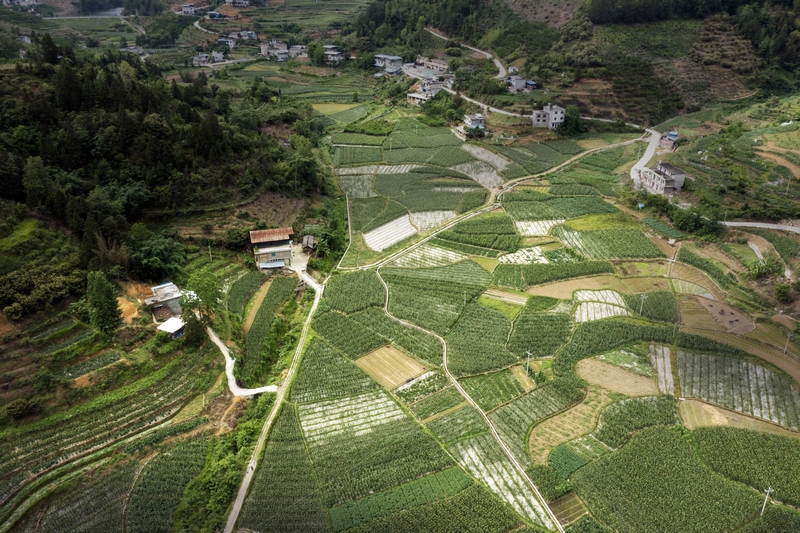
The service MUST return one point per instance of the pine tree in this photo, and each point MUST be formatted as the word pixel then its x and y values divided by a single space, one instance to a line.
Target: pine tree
pixel 104 311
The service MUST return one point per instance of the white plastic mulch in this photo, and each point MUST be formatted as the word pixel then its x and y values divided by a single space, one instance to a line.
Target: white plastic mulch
pixel 589 311
pixel 481 172
pixel 497 161
pixel 536 228
pixel 425 220
pixel 428 255
pixel 605 296
pixel 389 234
pixel 525 256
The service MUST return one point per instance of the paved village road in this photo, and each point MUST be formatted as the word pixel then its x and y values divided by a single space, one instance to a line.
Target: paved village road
pixel 299 263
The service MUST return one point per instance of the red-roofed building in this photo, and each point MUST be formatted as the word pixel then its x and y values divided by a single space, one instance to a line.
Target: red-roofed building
pixel 272 248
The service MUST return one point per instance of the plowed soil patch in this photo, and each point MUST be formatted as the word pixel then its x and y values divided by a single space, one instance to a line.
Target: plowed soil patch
pixel 615 378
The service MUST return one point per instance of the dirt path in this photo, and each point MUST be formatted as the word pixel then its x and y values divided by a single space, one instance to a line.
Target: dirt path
pixel 130 491
pixel 615 379
pixel 262 292
pixel 506 297
pixel 542 503
pixel 780 160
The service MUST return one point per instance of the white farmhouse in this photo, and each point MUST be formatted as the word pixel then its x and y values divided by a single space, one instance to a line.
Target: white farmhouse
pixel 664 179
pixel 551 116
pixel 475 121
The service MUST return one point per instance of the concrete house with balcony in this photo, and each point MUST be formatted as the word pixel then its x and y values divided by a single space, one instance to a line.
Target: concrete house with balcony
pixel 272 248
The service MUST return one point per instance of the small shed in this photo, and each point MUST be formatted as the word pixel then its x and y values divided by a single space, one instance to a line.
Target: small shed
pixel 309 243
pixel 173 326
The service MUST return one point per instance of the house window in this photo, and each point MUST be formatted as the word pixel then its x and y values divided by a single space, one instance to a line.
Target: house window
pixel 273 255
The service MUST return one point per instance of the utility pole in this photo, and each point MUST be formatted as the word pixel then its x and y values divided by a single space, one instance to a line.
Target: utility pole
pixel 390 144
pixel 641 307
pixel 786 346
pixel 767 491
pixel 788 183
pixel 527 362
pixel 211 260
pixel 465 303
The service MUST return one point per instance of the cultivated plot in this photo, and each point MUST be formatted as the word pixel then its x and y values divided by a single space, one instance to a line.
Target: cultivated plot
pixel 427 220
pixel 615 379
pixel 428 255
pixel 538 228
pixel 740 385
pixel 484 459
pixel 525 256
pixel 389 234
pixel 660 356
pixel 355 415
pixel 390 367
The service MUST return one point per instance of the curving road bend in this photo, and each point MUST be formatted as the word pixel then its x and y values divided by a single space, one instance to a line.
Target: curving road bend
pixel 763 225
pixel 655 140
pixel 299 266
pixel 501 70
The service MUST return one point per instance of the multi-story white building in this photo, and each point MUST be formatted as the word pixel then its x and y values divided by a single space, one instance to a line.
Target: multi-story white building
pixel 551 116
pixel 664 179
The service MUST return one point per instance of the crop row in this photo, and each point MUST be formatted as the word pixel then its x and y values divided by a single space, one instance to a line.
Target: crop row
pixel 609 244
pixel 357 139
pixel 434 297
pixel 514 420
pixel 436 403
pixel 754 458
pixel 160 485
pixel 56 441
pixel 424 346
pixel 621 419
pixel 740 385
pixel 408 495
pixel 656 305
pixel 483 457
pixel 325 374
pixel 663 228
pixel 706 265
pixel 568 457
pixel 472 509
pixel 458 425
pixel 492 390
pixel 477 343
pixel 284 495
pixel 241 291
pixel 353 464
pixel 280 290
pixel 94 505
pixel 540 334
pixel 657 479
pixel 593 338
pixel 523 276
pixel 347 335
pixel 350 293
pixel 89 365
pixel 357 155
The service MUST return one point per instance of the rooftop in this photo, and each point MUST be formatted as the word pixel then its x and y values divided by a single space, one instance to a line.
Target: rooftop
pixel 671 168
pixel 271 235
pixel 173 325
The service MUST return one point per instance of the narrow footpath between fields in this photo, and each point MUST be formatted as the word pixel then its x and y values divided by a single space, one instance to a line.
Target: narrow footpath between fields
pixel 468 398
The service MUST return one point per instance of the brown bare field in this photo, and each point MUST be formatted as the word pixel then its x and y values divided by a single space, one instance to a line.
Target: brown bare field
pixel 615 379
pixel 695 315
pixel 564 289
pixel 591 144
pixel 568 509
pixel 522 378
pixel 695 414
pixel 693 275
pixel 390 367
pixel 129 310
pixel 733 319
pixel 259 297
pixel 647 284
pixel 570 424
